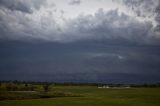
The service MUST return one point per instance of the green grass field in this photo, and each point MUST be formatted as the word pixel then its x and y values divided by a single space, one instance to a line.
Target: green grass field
pixel 93 96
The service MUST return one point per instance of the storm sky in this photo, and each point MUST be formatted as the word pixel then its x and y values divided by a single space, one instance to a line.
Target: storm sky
pixel 108 41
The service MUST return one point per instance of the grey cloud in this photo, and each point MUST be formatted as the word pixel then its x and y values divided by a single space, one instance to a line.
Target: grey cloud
pixel 158 16
pixel 78 62
pixel 145 8
pixel 102 26
pixel 75 2
pixel 18 25
pixel 105 46
pixel 25 6
pixel 112 26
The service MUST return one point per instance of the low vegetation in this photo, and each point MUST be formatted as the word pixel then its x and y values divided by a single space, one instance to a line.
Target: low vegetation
pixel 37 94
pixel 21 90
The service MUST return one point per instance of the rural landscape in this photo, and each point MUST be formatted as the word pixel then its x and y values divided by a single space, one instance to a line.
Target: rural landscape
pixel 79 52
pixel 71 94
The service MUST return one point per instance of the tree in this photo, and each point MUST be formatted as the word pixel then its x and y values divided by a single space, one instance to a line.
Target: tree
pixel 46 87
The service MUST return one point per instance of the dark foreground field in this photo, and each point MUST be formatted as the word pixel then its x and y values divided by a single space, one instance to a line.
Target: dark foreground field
pixel 90 96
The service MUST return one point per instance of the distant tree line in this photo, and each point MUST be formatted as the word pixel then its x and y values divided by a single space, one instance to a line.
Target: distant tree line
pixel 30 85
pixel 24 86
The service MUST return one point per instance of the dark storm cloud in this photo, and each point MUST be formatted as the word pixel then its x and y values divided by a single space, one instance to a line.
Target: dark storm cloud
pixel 75 2
pixel 79 62
pixel 104 46
pixel 26 6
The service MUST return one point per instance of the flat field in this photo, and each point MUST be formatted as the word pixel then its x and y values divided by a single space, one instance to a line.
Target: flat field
pixel 89 96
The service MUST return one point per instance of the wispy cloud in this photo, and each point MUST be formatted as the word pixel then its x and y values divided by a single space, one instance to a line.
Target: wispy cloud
pixel 75 2
pixel 21 5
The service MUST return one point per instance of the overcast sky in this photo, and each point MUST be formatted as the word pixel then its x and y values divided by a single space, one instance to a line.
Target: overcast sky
pixel 112 41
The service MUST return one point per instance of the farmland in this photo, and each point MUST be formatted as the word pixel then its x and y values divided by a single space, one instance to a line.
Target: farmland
pixel 60 95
